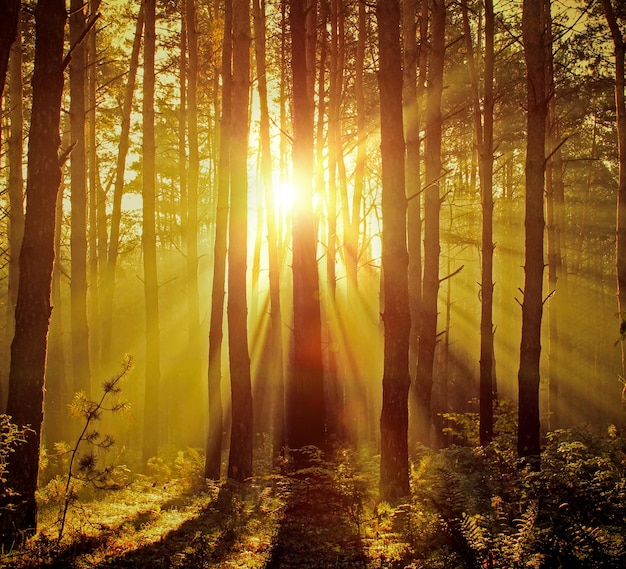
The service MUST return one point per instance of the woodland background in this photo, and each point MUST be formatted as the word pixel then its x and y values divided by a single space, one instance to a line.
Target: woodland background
pixel 237 178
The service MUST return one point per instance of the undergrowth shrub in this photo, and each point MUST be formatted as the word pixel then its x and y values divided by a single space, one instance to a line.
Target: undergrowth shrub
pixel 10 436
pixel 492 511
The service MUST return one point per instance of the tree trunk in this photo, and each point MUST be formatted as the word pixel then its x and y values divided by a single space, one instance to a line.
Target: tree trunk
pixel 9 17
pixel 194 167
pixel 351 240
pixel 241 435
pixel 95 206
pixel 32 314
pixel 151 286
pixel 118 192
pixel 432 203
pixel 620 106
pixel 78 241
pixel 193 296
pixel 533 27
pixel 276 377
pixel 16 199
pixel 413 183
pixel 483 129
pixel 305 413
pixel 394 419
pixel 213 462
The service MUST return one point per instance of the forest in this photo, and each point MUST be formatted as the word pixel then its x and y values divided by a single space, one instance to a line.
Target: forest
pixel 313 283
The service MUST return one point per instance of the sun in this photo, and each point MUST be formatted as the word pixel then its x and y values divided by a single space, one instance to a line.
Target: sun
pixel 283 194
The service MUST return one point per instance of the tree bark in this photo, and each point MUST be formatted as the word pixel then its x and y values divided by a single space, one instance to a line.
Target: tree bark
pixel 32 314
pixel 241 435
pixel 214 440
pixel 193 306
pixel 483 129
pixel 620 106
pixel 78 189
pixel 394 420
pixel 151 286
pixel 533 28
pixel 118 192
pixel 276 376
pixel 432 204
pixel 411 117
pixel 9 17
pixel 305 413
pixel 16 199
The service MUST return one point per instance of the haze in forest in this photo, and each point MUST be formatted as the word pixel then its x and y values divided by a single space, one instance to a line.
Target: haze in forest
pixel 331 224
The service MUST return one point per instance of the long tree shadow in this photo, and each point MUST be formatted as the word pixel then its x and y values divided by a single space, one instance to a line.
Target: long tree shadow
pixel 205 540
pixel 320 527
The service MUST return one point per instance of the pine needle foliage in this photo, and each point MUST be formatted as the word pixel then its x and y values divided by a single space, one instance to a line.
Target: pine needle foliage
pixel 83 468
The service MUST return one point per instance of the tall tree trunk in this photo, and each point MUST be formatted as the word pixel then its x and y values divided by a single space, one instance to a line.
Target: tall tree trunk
pixel 151 286
pixel 32 313
pixel 413 183
pixel 432 203
pixel 483 130
pixel 394 419
pixel 334 398
pixel 620 106
pixel 78 240
pixel 241 435
pixel 97 209
pixel 305 413
pixel 555 204
pixel 193 295
pixel 118 192
pixel 351 239
pixel 533 28
pixel 58 394
pixel 9 17
pixel 16 198
pixel 194 168
pixel 214 440
pixel 276 376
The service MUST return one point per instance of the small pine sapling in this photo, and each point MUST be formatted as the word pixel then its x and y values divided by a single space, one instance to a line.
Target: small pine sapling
pixel 83 465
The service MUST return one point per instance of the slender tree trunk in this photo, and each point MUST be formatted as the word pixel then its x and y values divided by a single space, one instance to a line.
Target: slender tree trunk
pixel 432 204
pixel 214 440
pixel 78 241
pixel 351 240
pixel 193 295
pixel 620 105
pixel 334 144
pixel 193 306
pixel 32 313
pixel 241 437
pixel 56 382
pixel 97 247
pixel 413 184
pixel 533 27
pixel 182 128
pixel 118 192
pixel 483 130
pixel 151 286
pixel 394 420
pixel 555 203
pixel 276 342
pixel 9 17
pixel 16 198
pixel 305 413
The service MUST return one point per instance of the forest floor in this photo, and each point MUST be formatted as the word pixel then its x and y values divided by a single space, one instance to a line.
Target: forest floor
pixel 469 507
pixel 310 518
